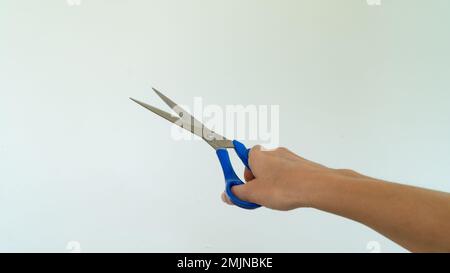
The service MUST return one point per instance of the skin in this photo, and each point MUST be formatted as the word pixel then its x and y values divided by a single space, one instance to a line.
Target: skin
pixel 415 218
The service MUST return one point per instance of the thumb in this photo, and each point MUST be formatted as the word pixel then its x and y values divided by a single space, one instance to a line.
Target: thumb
pixel 249 192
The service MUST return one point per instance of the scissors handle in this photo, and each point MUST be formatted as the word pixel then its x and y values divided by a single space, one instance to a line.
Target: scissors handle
pixel 231 179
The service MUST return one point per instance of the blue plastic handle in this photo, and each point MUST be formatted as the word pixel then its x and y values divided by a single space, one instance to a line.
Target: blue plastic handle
pixel 231 179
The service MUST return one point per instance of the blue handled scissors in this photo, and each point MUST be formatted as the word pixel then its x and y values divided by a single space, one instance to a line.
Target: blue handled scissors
pixel 218 142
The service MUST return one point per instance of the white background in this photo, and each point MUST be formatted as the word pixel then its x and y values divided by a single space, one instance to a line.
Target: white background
pixel 359 86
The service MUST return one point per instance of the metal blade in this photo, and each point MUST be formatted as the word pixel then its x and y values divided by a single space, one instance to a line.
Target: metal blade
pixel 157 111
pixel 177 109
pixel 188 122
pixel 168 101
pixel 212 138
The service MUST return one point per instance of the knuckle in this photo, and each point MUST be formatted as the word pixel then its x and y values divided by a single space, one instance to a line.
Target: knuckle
pixel 255 151
pixel 347 172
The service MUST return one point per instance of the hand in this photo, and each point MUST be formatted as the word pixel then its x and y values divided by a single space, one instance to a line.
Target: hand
pixel 281 179
pixel 408 215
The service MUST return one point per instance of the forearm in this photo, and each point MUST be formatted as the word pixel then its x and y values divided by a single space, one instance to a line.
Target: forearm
pixel 415 218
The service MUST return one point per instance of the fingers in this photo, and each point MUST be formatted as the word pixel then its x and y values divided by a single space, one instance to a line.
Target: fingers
pixel 246 192
pixel 225 199
pixel 243 192
pixel 248 175
pixel 253 156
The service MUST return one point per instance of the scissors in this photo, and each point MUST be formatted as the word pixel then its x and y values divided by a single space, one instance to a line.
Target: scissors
pixel 219 143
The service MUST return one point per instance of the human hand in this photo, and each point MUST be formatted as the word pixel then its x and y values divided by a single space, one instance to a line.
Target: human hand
pixel 282 180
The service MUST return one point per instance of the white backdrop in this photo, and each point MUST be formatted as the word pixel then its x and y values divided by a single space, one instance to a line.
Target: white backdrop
pixel 359 86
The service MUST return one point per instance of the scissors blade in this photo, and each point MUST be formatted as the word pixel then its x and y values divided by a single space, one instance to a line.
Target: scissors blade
pixel 195 126
pixel 168 101
pixel 178 109
pixel 157 111
pixel 188 122
pixel 212 138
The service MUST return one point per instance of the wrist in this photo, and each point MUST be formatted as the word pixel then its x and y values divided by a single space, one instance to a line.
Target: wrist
pixel 331 189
